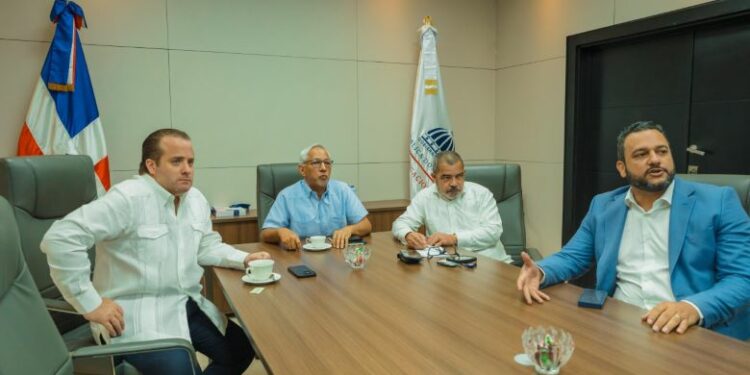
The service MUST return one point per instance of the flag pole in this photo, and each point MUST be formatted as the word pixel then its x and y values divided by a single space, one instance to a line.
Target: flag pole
pixel 427 21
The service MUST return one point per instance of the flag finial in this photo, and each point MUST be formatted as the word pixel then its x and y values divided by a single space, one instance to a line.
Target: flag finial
pixel 427 21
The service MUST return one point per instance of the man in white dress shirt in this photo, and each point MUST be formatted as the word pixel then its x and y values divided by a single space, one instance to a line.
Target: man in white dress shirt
pixel 152 235
pixel 454 212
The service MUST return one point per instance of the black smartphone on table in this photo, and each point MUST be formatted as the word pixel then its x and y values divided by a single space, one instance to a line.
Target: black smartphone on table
pixel 357 240
pixel 301 271
pixel 592 298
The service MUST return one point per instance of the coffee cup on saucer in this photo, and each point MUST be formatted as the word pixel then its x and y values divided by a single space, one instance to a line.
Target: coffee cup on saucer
pixel 317 241
pixel 259 269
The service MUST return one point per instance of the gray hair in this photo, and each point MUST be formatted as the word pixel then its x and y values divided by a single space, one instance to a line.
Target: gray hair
pixel 305 151
pixel 635 127
pixel 448 157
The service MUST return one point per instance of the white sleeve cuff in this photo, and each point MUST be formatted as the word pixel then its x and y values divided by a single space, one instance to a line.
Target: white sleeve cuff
pixel 237 259
pixel 700 313
pixel 401 235
pixel 86 302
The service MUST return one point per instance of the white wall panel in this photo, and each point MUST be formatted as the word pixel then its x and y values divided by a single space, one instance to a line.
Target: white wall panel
pixel 140 23
pixel 534 30
pixel 131 86
pixel 383 181
pixel 249 110
pixel 385 93
pixel 321 28
pixel 20 64
pixel 470 97
pixel 387 30
pixel 530 112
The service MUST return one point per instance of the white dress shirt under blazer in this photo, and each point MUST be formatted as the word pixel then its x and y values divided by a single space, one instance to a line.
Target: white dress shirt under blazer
pixel 643 262
pixel 148 260
pixel 472 216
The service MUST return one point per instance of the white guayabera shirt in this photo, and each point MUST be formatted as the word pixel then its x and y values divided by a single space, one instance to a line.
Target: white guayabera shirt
pixel 472 216
pixel 148 260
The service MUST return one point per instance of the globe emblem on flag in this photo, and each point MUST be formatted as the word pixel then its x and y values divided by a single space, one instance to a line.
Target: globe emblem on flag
pixel 438 139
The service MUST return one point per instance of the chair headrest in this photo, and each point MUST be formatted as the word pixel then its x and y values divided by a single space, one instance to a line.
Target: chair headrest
pixel 11 263
pixel 740 183
pixel 275 177
pixel 48 187
pixel 503 180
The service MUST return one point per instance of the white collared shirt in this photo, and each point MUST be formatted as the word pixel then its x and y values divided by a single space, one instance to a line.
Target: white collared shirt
pixel 148 259
pixel 643 262
pixel 472 216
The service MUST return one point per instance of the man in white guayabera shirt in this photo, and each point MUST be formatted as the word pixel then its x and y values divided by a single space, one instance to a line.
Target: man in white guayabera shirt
pixel 454 212
pixel 152 235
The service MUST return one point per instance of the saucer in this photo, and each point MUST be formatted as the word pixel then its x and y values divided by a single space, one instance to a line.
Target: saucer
pixel 276 277
pixel 311 247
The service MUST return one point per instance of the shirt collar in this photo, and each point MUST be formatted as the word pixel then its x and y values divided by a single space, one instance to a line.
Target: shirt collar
pixel 309 192
pixel 161 193
pixel 664 201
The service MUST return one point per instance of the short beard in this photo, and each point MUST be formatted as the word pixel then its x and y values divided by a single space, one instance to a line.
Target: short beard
pixel 643 184
pixel 451 191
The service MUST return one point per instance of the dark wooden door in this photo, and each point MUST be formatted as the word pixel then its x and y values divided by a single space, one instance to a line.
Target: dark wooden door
pixel 720 107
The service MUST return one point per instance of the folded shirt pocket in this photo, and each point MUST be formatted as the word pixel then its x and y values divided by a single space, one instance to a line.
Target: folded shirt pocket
pixel 152 241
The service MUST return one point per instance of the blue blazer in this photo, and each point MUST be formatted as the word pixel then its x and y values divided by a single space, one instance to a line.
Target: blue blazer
pixel 709 251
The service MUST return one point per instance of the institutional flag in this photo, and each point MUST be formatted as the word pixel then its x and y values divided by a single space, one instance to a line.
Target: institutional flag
pixel 63 117
pixel 431 130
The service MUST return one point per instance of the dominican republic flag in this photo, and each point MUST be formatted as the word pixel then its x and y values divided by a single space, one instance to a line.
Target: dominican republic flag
pixel 63 117
pixel 431 130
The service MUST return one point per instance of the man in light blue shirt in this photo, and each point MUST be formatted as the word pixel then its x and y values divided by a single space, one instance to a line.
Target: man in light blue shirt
pixel 315 205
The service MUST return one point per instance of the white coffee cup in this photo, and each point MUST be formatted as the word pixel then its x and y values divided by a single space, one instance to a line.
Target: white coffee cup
pixel 317 240
pixel 259 269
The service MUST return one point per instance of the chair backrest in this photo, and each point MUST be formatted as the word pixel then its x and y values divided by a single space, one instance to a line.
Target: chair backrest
pixel 43 189
pixel 271 179
pixel 740 183
pixel 31 343
pixel 504 181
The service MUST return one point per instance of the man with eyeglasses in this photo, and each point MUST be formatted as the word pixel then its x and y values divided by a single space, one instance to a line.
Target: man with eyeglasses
pixel 315 205
pixel 454 212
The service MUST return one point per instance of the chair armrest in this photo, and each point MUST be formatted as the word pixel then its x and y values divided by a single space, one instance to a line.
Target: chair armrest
pixel 135 348
pixel 534 254
pixel 59 306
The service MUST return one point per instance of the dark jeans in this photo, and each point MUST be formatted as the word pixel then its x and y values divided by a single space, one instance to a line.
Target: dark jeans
pixel 229 354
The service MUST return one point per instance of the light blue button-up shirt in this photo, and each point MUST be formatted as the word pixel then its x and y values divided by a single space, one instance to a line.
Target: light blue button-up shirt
pixel 298 208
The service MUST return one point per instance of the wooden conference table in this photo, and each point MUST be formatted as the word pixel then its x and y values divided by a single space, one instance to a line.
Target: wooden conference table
pixel 393 318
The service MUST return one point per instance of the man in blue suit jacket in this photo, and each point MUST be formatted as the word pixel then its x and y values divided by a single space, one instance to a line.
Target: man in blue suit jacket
pixel 676 248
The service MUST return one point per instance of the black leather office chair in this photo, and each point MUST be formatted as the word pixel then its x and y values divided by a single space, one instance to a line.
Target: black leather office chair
pixel 740 183
pixel 43 189
pixel 504 181
pixel 271 179
pixel 31 343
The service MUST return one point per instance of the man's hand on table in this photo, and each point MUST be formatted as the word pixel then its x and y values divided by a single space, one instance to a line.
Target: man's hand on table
pixel 416 240
pixel 529 280
pixel 341 237
pixel 289 240
pixel 668 316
